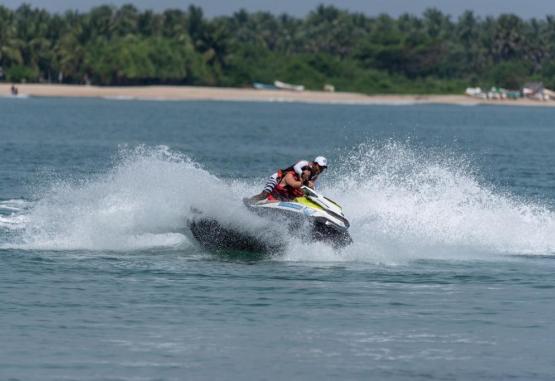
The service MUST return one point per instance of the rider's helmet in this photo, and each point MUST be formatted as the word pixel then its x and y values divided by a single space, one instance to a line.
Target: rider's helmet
pixel 321 161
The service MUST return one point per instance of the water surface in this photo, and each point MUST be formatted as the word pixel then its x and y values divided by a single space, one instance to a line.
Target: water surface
pixel 450 275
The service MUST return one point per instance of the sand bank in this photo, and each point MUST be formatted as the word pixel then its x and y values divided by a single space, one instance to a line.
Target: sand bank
pixel 237 94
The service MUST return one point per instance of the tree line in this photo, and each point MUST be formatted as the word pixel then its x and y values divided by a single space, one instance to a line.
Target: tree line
pixel 431 53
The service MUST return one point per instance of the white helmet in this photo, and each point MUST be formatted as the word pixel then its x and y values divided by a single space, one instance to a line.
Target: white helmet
pixel 321 161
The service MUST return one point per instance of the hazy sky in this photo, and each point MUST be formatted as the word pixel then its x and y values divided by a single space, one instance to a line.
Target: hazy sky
pixel 526 9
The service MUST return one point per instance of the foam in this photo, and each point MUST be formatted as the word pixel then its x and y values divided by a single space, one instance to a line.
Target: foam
pixel 404 204
pixel 142 199
pixel 14 205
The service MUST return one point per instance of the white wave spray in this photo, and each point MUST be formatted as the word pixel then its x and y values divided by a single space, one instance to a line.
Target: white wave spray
pixel 142 202
pixel 408 204
pixel 403 204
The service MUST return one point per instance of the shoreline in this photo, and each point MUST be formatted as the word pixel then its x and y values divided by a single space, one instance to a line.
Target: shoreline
pixel 198 93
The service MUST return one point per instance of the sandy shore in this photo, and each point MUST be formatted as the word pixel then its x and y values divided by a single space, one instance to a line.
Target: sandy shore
pixel 236 94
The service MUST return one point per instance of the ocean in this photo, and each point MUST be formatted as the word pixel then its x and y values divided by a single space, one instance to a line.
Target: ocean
pixel 450 275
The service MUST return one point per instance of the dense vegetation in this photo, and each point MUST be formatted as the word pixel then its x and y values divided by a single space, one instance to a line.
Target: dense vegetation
pixel 428 54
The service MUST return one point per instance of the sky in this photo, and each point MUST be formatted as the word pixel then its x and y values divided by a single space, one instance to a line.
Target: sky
pixel 523 8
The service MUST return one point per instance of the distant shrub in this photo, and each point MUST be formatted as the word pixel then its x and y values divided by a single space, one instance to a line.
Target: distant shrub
pixel 510 75
pixel 21 74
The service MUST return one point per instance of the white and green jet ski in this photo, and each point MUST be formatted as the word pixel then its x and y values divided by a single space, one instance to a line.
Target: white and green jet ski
pixel 312 217
pixel 324 216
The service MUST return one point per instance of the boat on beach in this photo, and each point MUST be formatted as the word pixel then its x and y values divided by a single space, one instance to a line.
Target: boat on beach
pixel 287 86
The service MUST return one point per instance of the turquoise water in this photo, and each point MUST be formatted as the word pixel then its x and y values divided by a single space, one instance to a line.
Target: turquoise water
pixel 450 275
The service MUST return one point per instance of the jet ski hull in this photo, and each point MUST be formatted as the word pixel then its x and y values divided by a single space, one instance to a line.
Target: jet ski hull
pixel 213 236
pixel 325 233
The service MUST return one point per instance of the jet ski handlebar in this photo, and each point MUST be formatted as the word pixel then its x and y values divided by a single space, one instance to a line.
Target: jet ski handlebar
pixel 309 191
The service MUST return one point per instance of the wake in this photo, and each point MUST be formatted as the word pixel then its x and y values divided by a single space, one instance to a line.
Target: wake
pixel 403 204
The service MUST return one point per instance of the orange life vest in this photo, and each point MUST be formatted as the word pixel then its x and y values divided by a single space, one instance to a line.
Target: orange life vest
pixel 286 192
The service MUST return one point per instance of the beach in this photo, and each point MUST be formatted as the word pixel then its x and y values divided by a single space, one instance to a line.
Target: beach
pixel 251 95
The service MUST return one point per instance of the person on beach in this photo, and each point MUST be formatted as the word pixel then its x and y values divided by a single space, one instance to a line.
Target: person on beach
pixel 316 167
pixel 14 91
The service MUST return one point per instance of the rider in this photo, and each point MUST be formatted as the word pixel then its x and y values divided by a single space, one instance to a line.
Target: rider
pixel 289 185
pixel 317 166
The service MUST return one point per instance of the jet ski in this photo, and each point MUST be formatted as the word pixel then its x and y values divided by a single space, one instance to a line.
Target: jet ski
pixel 320 216
pixel 311 217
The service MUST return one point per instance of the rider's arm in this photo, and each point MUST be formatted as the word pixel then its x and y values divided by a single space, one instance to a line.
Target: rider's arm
pixel 292 182
pixel 311 182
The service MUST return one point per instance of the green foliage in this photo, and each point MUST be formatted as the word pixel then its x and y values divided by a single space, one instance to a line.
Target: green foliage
pixel 21 74
pixel 432 53
pixel 548 74
pixel 510 74
pixel 132 60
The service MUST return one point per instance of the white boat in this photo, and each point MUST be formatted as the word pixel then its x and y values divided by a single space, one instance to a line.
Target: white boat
pixel 287 86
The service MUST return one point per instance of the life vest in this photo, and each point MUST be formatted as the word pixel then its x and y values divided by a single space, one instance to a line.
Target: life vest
pixel 285 192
